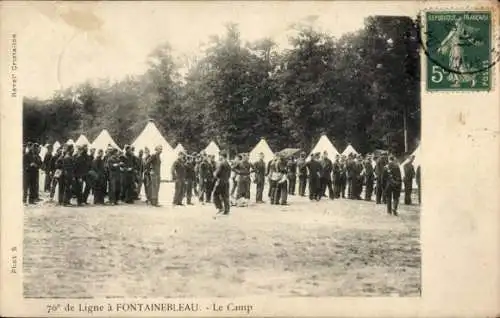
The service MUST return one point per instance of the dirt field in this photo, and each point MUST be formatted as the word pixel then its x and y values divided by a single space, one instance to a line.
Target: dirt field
pixel 328 248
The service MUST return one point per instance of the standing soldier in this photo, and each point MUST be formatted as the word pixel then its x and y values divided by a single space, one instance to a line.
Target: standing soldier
pixel 242 171
pixel 146 163
pixel 358 177
pixel 68 175
pixel 140 173
pixel 196 163
pixel 179 175
pixel 91 177
pixel 368 175
pixel 234 164
pixel 259 168
pixel 203 170
pixel 326 176
pixel 155 174
pixel 280 171
pixel 393 186
pixel 57 177
pixel 113 168
pixel 38 162
pixel 211 180
pixel 302 172
pixel 379 174
pixel 336 171
pixel 409 174
pixel 350 172
pixel 99 183
pixel 269 169
pixel 314 173
pixel 292 174
pixel 222 174
pixel 30 169
pixel 190 179
pixel 105 159
pixel 48 168
pixel 128 175
pixel 81 171
pixel 343 176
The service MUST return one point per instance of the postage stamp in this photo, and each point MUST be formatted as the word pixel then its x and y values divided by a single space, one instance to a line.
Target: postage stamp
pixel 459 51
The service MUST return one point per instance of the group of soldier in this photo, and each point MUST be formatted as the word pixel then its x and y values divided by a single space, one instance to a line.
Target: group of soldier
pixel 121 175
pixel 77 171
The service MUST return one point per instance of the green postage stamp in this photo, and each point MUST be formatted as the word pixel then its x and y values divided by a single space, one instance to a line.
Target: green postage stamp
pixel 458 47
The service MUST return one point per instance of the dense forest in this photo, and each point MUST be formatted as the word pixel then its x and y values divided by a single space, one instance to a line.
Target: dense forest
pixel 357 89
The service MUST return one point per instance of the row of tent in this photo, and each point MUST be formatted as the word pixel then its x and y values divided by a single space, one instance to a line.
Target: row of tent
pixel 151 137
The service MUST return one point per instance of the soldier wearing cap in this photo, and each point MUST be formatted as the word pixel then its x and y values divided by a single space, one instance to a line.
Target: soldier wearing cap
pixel 37 149
pixel 48 168
pixel 280 181
pixel 381 162
pixel 222 175
pixel 205 177
pixel 393 185
pixel 302 173
pixel 155 174
pixel 336 171
pixel 113 167
pixel 409 174
pixel 269 170
pixel 242 171
pixel 30 170
pixel 368 176
pixel 234 174
pixel 314 174
pixel 259 170
pixel 326 176
pixel 128 173
pixel 97 169
pixel 179 177
pixel 190 179
pixel 90 176
pixel 292 174
pixel 68 174
pixel 57 176
pixel 81 169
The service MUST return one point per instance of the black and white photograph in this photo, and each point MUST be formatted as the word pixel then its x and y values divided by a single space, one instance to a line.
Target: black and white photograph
pixel 228 151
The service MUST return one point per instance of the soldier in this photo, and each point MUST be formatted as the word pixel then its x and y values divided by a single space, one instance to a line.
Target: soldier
pixel 314 173
pixel 205 176
pixel 379 174
pixel 234 164
pixel 179 175
pixel 368 175
pixel 190 179
pixel 113 168
pixel 211 180
pixel 81 167
pixel 326 176
pixel 280 177
pixel 48 168
pixel 350 172
pixel 343 176
pixel 57 177
pixel 242 171
pixel 38 162
pixel 107 155
pixel 358 177
pixel 291 167
pixel 140 173
pixel 196 162
pixel 68 175
pixel 336 172
pixel 222 174
pixel 97 170
pixel 272 185
pixel 128 175
pixel 30 169
pixel 91 177
pixel 302 172
pixel 259 169
pixel 155 174
pixel 146 164
pixel 393 185
pixel 417 179
pixel 409 174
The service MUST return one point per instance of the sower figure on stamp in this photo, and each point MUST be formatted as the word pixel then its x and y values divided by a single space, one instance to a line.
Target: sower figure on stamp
pixel 259 169
pixel 302 173
pixel 409 174
pixel 179 175
pixel 292 174
pixel 222 174
pixel 48 168
pixel 155 175
pixel 393 186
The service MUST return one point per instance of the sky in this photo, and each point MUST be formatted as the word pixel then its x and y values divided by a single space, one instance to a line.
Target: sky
pixel 65 44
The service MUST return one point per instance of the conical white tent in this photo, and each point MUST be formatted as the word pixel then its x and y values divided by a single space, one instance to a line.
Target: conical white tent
pixel 179 148
pixel 212 149
pixel 263 147
pixel 151 137
pixel 349 150
pixel 324 144
pixel 103 140
pixel 56 146
pixel 82 140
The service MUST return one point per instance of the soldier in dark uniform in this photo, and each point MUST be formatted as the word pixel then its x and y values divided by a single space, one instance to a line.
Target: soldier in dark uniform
pixel 81 170
pixel 190 179
pixel 292 174
pixel 211 180
pixel 222 175
pixel 107 155
pixel 242 171
pixel 48 168
pixel 350 172
pixel 259 169
pixel 38 160
pixel 90 177
pixel 234 180
pixel 272 185
pixel 409 174
pixel 57 180
pixel 139 173
pixel 302 174
pixel 196 162
pixel 343 176
pixel 155 174
pixel 203 172
pixel 326 176
pixel 146 164
pixel 68 175
pixel 336 171
pixel 314 173
pixel 393 186
pixel 97 169
pixel 417 179
pixel 368 175
pixel 30 169
pixel 280 170
pixel 358 177
pixel 379 174
pixel 128 173
pixel 113 167
pixel 179 176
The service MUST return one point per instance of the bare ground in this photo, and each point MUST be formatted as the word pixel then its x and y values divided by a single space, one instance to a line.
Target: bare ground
pixel 327 248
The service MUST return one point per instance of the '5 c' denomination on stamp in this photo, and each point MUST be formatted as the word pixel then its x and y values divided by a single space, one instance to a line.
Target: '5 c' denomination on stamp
pixel 459 51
